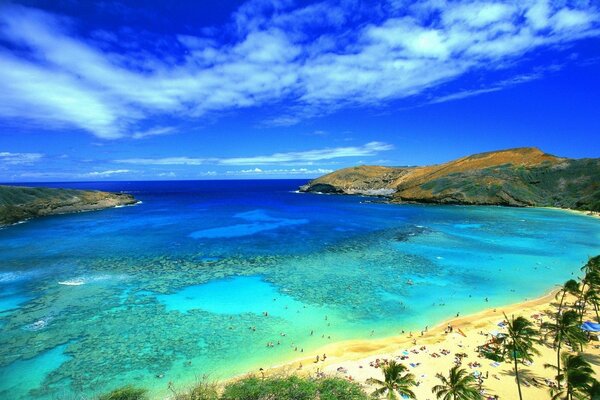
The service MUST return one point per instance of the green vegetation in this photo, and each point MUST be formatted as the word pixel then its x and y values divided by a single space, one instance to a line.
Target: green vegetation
pixel 578 376
pixel 565 328
pixel 293 388
pixel 459 385
pixel 394 382
pixel 255 388
pixel 125 393
pixel 21 203
pixel 520 343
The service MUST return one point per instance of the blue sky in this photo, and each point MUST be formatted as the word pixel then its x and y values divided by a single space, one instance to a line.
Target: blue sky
pixel 289 89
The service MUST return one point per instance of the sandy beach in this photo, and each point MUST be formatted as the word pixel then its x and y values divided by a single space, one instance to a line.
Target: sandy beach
pixel 434 351
pixel 594 214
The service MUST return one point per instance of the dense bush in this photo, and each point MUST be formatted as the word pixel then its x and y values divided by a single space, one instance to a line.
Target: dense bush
pixel 293 388
pixel 254 388
pixel 125 393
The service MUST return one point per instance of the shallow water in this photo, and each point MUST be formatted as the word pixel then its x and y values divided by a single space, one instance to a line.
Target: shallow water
pixel 177 286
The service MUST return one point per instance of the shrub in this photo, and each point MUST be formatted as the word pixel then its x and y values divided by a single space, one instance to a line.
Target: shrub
pixel 338 389
pixel 204 390
pixel 125 393
pixel 293 388
pixel 253 388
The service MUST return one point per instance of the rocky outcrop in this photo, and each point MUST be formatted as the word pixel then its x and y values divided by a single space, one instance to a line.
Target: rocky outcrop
pixel 21 203
pixel 514 177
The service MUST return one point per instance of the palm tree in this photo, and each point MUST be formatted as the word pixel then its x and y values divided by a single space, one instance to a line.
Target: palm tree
pixel 459 385
pixel 519 343
pixel 593 392
pixel 578 377
pixel 570 287
pixel 394 382
pixel 591 279
pixel 592 296
pixel 566 328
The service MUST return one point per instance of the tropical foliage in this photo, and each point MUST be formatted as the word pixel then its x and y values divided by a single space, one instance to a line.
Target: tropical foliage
pixel 566 329
pixel 293 388
pixel 394 382
pixel 577 374
pixel 125 393
pixel 458 385
pixel 520 344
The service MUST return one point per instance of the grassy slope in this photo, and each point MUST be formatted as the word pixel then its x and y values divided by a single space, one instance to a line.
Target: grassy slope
pixel 20 203
pixel 516 177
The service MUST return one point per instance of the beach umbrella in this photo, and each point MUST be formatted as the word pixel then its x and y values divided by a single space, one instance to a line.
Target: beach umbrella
pixel 589 326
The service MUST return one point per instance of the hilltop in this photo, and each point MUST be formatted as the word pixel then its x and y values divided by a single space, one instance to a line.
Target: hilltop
pixel 514 177
pixel 20 203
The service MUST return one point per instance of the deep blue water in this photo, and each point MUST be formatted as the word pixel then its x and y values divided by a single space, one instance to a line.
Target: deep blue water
pixel 173 286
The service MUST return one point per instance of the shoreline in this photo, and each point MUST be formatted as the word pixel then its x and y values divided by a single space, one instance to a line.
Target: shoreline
pixel 388 199
pixel 349 350
pixel 357 360
pixel 587 213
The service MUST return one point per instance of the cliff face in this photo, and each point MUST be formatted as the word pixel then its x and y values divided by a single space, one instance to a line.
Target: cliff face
pixel 515 177
pixel 21 203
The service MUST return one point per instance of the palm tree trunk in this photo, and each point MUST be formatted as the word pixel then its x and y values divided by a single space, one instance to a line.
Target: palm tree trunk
pixel 558 366
pixel 560 305
pixel 582 300
pixel 582 311
pixel 562 299
pixel 517 376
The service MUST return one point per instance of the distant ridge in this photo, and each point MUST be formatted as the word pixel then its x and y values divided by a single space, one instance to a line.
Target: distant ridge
pixel 19 203
pixel 523 176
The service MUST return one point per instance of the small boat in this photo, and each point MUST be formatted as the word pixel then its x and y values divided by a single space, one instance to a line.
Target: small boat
pixel 410 282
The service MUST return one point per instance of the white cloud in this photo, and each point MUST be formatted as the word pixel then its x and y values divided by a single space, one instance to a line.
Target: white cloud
pixel 305 157
pixel 158 131
pixel 495 88
pixel 290 171
pixel 101 174
pixel 368 149
pixel 72 175
pixel 164 161
pixel 8 158
pixel 305 61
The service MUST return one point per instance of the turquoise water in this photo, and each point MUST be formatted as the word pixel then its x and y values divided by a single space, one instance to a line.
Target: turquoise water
pixel 178 286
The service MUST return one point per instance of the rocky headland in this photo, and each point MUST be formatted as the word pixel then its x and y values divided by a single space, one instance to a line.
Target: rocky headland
pixel 514 177
pixel 19 203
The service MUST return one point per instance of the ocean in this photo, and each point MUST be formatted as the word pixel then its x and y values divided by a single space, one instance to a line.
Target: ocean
pixel 218 278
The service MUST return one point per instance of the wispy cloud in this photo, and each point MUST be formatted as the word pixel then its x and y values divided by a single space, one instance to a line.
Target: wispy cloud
pixel 368 149
pixel 102 174
pixel 289 171
pixel 304 157
pixel 305 61
pixel 493 88
pixel 7 158
pixel 72 175
pixel 158 131
pixel 165 161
